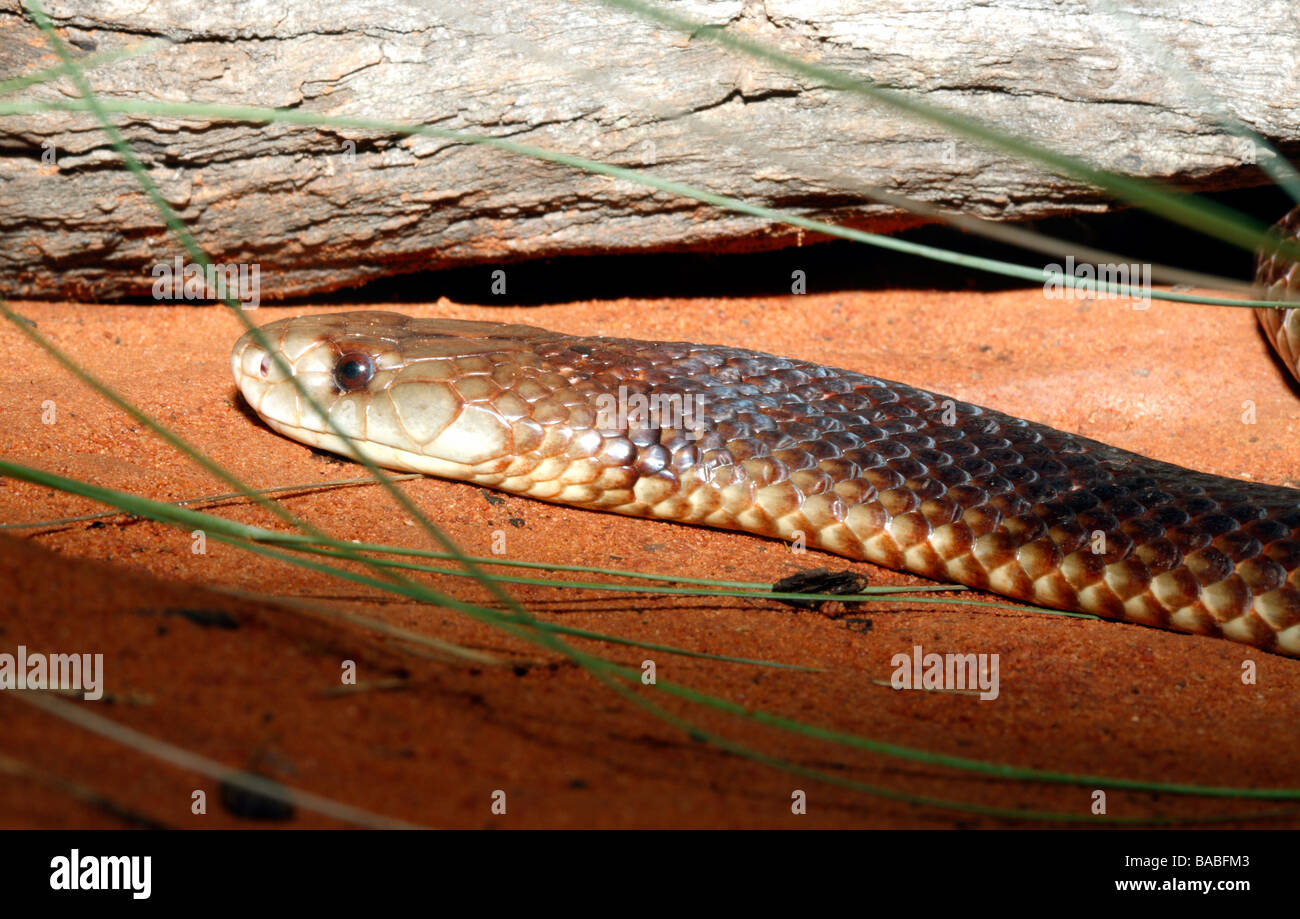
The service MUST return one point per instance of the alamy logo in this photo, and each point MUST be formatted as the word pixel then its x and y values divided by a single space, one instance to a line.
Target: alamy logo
pixel 657 411
pixel 178 280
pixel 53 671
pixel 103 872
pixel 970 672
pixel 1098 282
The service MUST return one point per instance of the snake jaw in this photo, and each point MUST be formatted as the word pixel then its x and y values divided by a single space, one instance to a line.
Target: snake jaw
pixel 402 406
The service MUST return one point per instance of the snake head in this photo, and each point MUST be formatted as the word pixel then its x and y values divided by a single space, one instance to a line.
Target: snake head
pixel 441 396
pixel 510 406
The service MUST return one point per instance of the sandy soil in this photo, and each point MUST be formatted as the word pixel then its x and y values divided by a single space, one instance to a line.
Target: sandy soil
pixel 428 741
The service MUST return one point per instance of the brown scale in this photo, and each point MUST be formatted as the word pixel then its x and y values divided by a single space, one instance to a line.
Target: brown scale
pixel 990 500
pixel 875 470
pixel 1277 277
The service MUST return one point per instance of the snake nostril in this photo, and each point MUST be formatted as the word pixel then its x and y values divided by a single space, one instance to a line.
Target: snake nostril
pixel 264 368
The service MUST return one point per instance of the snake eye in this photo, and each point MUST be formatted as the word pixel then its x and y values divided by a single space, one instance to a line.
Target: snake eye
pixel 354 371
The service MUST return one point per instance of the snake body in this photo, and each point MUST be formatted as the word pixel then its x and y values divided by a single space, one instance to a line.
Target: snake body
pixel 849 463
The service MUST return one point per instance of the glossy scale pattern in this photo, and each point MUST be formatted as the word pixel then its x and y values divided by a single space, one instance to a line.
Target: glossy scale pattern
pixel 1278 278
pixel 858 466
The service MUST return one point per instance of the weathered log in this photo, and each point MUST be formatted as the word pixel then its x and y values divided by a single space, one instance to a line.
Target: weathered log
pixel 318 208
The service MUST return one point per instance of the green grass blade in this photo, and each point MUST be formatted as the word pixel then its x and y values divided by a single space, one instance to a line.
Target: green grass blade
pixel 181 758
pixel 1206 217
pixel 251 114
pixel 237 533
pixel 89 62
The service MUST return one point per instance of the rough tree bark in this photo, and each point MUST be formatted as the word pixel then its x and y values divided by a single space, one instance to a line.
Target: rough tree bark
pixel 580 77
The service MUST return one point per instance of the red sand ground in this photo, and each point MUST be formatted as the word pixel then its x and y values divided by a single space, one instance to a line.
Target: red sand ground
pixel 428 741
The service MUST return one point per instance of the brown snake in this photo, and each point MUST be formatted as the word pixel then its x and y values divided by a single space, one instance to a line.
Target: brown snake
pixel 856 465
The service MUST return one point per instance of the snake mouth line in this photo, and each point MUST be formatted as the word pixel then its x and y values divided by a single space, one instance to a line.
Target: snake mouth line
pixel 379 454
